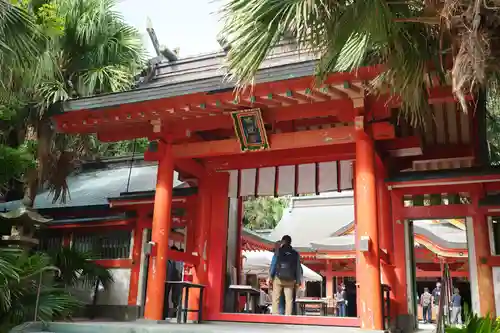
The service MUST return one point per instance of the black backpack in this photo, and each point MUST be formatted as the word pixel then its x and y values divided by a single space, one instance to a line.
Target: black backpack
pixel 173 273
pixel 286 264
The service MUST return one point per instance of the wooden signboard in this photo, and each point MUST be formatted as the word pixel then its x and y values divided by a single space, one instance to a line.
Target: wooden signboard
pixel 250 130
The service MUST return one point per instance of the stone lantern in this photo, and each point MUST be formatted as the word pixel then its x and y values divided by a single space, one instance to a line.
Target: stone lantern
pixel 23 223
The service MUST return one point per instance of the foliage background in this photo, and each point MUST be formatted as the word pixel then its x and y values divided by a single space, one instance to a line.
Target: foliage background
pixel 263 212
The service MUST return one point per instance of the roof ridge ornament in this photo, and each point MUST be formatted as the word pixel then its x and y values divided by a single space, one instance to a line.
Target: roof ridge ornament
pixel 163 52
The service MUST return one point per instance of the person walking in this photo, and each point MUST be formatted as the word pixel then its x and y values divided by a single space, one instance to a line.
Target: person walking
pixel 340 298
pixel 456 308
pixel 286 274
pixel 281 307
pixel 172 291
pixel 426 303
pixel 436 299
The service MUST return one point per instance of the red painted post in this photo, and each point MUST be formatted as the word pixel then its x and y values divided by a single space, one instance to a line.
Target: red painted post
pixel 368 262
pixel 202 228
pixel 400 291
pixel 385 230
pixel 239 240
pixel 160 235
pixel 217 242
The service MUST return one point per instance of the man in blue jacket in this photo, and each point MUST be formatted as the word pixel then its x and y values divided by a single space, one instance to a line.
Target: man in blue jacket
pixel 286 274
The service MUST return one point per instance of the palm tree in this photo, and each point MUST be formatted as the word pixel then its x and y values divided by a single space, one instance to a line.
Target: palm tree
pixel 95 52
pixel 21 42
pixel 77 268
pixel 27 290
pixel 20 39
pixel 406 37
pixel 44 285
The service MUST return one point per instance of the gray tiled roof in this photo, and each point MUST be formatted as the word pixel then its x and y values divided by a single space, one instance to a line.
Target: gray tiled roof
pixel 337 243
pixel 95 187
pixel 443 234
pixel 316 223
pixel 312 218
pixel 205 73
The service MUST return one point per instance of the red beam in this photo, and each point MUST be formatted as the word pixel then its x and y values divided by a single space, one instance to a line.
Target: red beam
pixel 467 182
pixel 182 256
pixel 115 133
pixel 114 224
pixel 341 109
pixel 114 263
pixel 305 139
pixel 439 274
pixel 191 167
pixel 437 212
pixel 277 158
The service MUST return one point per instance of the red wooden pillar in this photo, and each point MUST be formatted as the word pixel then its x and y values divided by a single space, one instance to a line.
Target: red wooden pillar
pixel 385 224
pixel 400 291
pixel 368 262
pixel 484 271
pixel 136 259
pixel 217 242
pixel 239 240
pixel 190 226
pixel 330 288
pixel 160 235
pixel 201 229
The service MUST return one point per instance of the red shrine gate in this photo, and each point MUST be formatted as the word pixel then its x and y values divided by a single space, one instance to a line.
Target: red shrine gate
pixel 302 138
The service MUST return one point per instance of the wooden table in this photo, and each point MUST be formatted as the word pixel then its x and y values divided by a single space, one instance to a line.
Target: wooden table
pixel 302 302
pixel 182 311
pixel 251 294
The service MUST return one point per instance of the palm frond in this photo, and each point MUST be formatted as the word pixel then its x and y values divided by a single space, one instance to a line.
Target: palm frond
pixel 77 267
pixel 27 289
pixel 344 36
pixel 20 39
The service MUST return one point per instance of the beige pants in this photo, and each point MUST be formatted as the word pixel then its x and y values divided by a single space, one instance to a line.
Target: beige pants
pixel 287 287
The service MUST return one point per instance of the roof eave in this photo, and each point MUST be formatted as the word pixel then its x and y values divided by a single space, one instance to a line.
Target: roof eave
pixel 272 74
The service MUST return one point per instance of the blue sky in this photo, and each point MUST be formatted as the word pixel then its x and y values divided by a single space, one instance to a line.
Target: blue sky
pixel 191 25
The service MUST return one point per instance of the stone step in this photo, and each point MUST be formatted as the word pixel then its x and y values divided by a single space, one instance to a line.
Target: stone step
pixel 164 327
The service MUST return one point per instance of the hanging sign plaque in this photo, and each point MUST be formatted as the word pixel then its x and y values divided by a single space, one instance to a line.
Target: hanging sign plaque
pixel 250 130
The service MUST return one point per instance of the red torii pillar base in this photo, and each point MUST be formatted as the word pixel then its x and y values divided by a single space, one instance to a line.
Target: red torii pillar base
pixel 367 260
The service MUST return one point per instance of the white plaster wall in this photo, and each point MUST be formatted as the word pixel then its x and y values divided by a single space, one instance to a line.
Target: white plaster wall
pixel 146 235
pixel 117 292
